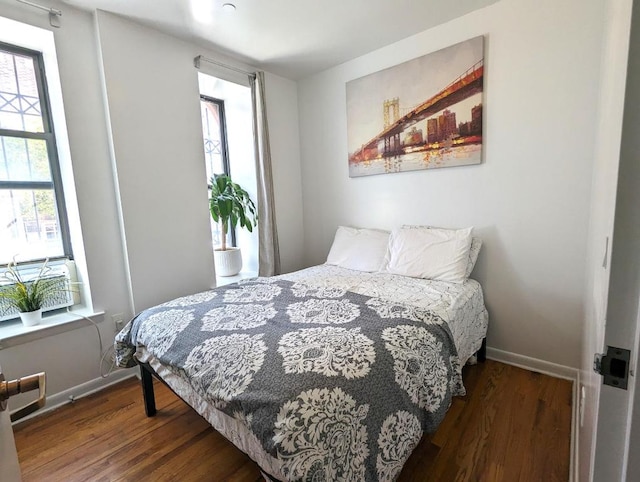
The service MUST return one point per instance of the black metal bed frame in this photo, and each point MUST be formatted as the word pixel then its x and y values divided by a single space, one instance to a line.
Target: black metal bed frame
pixel 482 352
pixel 146 380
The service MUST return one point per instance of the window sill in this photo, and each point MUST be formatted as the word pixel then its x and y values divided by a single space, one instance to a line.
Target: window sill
pixel 13 332
pixel 226 280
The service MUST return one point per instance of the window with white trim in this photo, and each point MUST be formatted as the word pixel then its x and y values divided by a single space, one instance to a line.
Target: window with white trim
pixel 33 223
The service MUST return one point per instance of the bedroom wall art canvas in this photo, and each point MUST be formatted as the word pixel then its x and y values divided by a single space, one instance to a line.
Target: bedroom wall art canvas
pixel 421 114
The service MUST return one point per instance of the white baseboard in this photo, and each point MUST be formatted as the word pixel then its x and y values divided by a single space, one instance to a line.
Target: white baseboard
pixel 67 396
pixel 554 370
pixel 533 364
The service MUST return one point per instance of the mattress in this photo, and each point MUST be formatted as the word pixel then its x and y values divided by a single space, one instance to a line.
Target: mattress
pixel 461 305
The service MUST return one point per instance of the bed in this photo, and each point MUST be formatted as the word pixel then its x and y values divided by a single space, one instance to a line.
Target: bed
pixel 328 373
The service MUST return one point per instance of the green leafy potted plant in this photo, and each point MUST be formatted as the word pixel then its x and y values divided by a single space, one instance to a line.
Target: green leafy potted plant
pixel 230 206
pixel 28 296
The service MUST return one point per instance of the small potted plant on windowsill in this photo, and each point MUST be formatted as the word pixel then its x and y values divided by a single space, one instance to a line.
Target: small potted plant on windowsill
pixel 28 296
pixel 230 206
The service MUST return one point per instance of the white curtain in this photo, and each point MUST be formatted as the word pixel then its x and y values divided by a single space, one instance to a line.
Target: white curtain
pixel 269 251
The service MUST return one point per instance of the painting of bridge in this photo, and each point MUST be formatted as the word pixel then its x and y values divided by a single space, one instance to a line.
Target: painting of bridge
pixel 421 114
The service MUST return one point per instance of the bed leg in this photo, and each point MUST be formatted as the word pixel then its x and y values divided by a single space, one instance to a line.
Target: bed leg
pixel 482 352
pixel 147 392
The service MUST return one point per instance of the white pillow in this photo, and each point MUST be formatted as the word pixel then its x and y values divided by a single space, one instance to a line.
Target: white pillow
pixel 359 249
pixel 474 251
pixel 434 253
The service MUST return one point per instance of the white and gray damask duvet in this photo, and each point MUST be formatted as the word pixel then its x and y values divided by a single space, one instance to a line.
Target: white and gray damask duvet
pixel 313 380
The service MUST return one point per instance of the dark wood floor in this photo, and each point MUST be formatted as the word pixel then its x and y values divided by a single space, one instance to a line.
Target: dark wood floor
pixel 513 425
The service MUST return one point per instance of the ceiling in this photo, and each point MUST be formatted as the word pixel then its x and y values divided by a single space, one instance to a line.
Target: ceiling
pixel 292 38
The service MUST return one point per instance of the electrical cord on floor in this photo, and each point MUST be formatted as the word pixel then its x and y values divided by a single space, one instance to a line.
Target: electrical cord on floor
pixel 104 352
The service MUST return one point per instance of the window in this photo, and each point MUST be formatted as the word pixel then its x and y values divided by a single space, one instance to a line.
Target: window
pixel 33 223
pixel 227 124
pixel 214 133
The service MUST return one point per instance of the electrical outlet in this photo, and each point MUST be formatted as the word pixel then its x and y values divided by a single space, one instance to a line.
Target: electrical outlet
pixel 118 319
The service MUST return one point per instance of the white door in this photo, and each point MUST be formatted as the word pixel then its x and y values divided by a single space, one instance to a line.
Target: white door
pixel 601 426
pixel 613 414
pixel 9 467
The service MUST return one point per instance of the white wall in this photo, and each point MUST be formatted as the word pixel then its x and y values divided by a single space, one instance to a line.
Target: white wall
pixel 282 113
pixel 152 89
pixel 154 110
pixel 162 247
pixel 528 201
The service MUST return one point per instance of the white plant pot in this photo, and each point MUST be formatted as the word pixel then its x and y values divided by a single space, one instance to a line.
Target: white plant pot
pixel 228 262
pixel 31 318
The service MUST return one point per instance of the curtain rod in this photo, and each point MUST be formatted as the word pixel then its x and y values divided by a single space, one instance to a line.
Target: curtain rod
pixel 54 14
pixel 201 58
